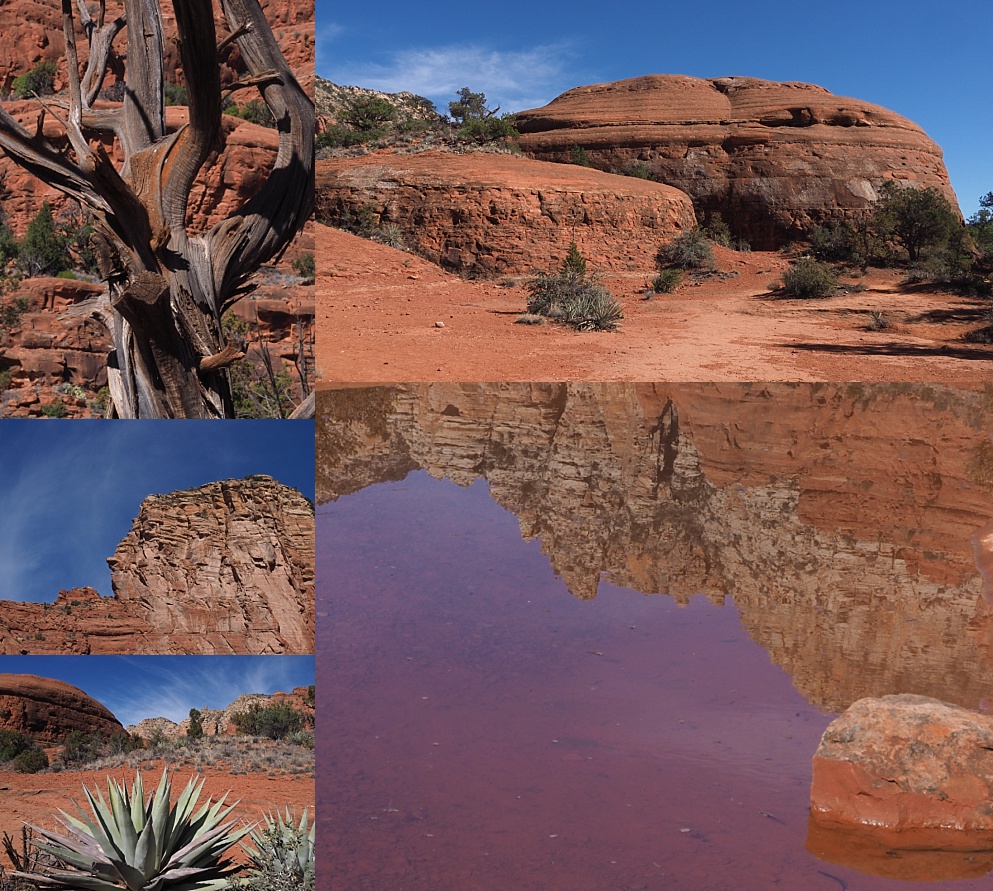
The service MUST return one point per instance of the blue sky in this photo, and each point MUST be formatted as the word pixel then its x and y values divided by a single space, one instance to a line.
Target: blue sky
pixel 68 492
pixel 138 687
pixel 929 63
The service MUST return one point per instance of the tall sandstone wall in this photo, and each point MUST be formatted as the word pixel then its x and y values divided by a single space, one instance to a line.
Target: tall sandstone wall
pixel 224 568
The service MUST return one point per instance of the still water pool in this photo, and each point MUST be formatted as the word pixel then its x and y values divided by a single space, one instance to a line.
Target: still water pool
pixel 491 718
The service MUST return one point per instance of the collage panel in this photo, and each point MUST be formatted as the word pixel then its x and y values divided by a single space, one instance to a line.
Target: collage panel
pixel 156 186
pixel 156 645
pixel 605 635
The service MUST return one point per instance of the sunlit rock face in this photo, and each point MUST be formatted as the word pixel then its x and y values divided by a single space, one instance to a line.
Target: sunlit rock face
pixel 224 568
pixel 906 762
pixel 48 710
pixel 774 159
pixel 845 520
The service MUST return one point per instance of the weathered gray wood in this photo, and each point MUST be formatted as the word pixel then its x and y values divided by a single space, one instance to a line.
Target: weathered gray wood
pixel 166 287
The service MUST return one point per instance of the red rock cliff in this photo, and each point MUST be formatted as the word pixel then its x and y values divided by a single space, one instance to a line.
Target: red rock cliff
pixel 48 709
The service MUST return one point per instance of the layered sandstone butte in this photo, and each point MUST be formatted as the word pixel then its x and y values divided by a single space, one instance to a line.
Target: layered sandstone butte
pixel 847 521
pixel 487 213
pixel 224 568
pixel 48 710
pixel 774 159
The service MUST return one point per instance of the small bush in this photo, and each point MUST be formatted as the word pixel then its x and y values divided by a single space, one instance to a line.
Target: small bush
pixel 30 761
pixel 368 114
pixel 667 280
pixel 54 410
pixel 175 94
pixel 640 170
pixel 44 250
pixel 489 129
pixel 877 321
pixel 255 111
pixel 195 729
pixel 690 250
pixel 578 155
pixel 81 748
pixel 276 721
pixel 304 265
pixel 809 278
pixel 13 743
pixel 391 235
pixel 835 245
pixel 39 80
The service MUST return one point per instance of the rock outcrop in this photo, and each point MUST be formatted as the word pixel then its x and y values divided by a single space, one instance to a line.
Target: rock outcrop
pixel 906 762
pixel 217 722
pixel 225 568
pixel 48 710
pixel 846 521
pixel 774 159
pixel 488 213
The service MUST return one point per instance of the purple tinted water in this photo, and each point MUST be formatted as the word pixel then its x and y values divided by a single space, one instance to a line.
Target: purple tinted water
pixel 481 728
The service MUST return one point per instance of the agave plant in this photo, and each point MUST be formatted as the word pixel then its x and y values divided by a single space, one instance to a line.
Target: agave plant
pixel 141 846
pixel 283 855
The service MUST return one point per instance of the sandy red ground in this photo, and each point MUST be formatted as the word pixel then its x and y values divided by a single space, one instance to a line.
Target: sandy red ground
pixel 37 798
pixel 377 310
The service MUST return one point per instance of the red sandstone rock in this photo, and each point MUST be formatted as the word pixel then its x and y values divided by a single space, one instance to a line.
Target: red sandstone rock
pixel 225 568
pixel 906 762
pixel 496 213
pixel 48 709
pixel 773 158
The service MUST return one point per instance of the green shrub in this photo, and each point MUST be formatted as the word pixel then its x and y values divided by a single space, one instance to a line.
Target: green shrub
pixel 489 129
pixel 255 111
pixel 569 296
pixel 579 155
pixel 368 114
pixel 575 262
pixel 175 94
pixel 592 308
pixel 13 743
pixel 640 170
pixel 809 278
pixel 690 250
pixel 81 748
pixel 304 265
pixel 195 730
pixel 667 280
pixel 44 250
pixel 468 107
pixel 39 80
pixel 276 721
pixel 30 761
pixel 54 409
pixel 919 220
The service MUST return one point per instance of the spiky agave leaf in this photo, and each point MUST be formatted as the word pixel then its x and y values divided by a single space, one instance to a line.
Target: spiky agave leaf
pixel 130 843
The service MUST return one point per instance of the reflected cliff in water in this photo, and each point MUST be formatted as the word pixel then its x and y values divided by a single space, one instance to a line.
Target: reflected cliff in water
pixel 850 523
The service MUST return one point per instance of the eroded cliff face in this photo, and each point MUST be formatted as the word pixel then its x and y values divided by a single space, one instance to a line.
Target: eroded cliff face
pixel 487 214
pixel 845 520
pixel 774 159
pixel 224 568
pixel 48 709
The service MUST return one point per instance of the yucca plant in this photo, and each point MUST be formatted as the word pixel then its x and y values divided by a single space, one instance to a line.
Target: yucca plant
pixel 141 846
pixel 283 856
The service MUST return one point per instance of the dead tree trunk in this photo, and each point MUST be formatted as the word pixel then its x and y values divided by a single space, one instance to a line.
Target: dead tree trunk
pixel 167 288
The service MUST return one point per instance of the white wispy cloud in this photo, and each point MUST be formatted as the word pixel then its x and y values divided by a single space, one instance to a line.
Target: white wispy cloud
pixel 512 79
pixel 325 35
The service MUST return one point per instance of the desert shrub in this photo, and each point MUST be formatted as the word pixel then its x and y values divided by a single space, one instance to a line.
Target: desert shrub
pixel 640 170
pixel 569 296
pixel 175 94
pixel 689 250
pixel 39 80
pixel 255 111
pixel 275 721
pixel 667 280
pixel 593 308
pixel 13 743
pixel 578 155
pixel 489 129
pixel 391 235
pixel 44 250
pixel 919 220
pixel 305 268
pixel 337 136
pixel 574 262
pixel 834 244
pixel 302 738
pixel 877 321
pixel 30 761
pixel 81 748
pixel 360 221
pixel 717 231
pixel 8 243
pixel 367 114
pixel 195 730
pixel 10 315
pixel 807 277
pixel 468 107
pixel 55 409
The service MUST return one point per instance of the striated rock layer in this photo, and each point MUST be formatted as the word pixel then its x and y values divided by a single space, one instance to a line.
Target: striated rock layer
pixel 774 159
pixel 848 521
pixel 491 213
pixel 225 568
pixel 48 710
